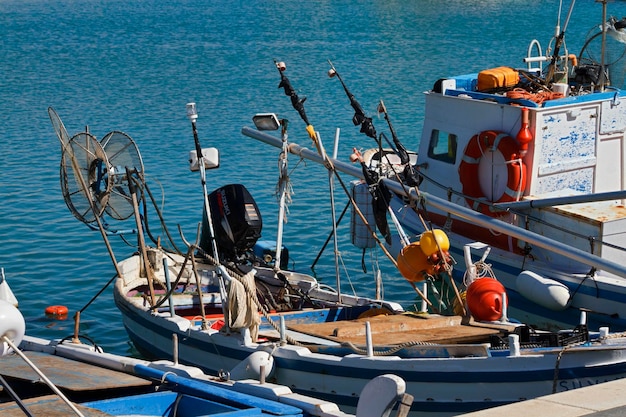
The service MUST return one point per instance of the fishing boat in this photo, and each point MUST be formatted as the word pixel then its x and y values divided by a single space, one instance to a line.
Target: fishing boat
pixel 529 160
pixel 228 305
pixel 70 377
pixel 101 181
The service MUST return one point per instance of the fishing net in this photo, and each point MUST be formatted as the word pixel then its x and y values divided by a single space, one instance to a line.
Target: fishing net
pixel 590 56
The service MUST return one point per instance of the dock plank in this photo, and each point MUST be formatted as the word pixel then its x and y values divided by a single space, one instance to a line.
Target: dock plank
pixel 67 373
pixel 48 406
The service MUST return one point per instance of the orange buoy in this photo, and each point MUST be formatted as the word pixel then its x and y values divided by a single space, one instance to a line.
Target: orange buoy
pixel 56 311
pixel 413 263
pixel 432 240
pixel 485 299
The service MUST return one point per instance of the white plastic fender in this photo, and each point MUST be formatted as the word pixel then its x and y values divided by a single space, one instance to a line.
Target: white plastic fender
pixel 543 291
pixel 12 326
pixel 359 232
pixel 250 368
pixel 380 395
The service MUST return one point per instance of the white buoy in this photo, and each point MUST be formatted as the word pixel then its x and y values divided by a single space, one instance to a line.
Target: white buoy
pixel 5 291
pixel 546 292
pixel 12 326
pixel 604 333
pixel 256 366
pixel 380 395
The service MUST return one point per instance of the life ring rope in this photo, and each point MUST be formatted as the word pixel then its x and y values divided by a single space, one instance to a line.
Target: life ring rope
pixel 517 192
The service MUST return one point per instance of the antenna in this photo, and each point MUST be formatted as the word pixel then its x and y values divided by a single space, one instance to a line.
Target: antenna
pixel 192 114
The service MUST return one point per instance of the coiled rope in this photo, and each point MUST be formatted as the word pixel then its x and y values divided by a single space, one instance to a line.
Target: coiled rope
pixel 540 97
pixel 389 351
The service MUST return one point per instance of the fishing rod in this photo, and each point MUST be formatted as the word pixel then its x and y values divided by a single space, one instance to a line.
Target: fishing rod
pixel 399 148
pixel 330 166
pixel 378 191
pixel 380 194
pixel 298 104
pixel 359 118
pixel 367 127
pixel 412 180
pixel 560 37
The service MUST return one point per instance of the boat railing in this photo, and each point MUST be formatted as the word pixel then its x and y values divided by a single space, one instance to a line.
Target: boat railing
pixel 442 204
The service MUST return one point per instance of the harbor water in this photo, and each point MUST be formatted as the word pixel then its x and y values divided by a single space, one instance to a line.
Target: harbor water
pixel 133 66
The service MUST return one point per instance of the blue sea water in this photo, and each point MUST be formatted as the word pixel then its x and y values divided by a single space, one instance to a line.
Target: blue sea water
pixel 133 65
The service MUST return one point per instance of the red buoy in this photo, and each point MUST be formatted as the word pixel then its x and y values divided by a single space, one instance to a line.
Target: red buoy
pixel 524 136
pixel 485 299
pixel 56 311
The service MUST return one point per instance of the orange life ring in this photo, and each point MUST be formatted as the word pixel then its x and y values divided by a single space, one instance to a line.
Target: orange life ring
pixel 491 140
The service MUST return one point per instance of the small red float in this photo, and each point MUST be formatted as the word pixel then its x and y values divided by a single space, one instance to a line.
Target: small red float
pixel 57 311
pixel 485 299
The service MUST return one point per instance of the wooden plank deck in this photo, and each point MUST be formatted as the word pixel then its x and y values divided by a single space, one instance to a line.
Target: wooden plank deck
pixel 66 373
pixel 48 406
pixel 390 330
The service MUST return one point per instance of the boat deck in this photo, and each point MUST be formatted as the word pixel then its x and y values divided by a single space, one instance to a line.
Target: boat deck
pixel 402 328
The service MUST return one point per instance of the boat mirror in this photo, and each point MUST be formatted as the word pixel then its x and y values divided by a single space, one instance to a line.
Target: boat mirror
pixel 266 121
pixel 211 157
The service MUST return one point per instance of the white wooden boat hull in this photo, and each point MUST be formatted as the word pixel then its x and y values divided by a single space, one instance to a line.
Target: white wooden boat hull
pixel 440 385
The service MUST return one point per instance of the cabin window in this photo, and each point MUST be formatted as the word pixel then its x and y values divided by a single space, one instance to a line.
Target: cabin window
pixel 442 146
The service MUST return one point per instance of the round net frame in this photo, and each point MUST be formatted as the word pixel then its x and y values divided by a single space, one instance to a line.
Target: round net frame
pixel 122 153
pixel 84 177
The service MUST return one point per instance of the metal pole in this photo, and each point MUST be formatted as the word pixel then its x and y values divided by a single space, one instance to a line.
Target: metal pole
pixel 42 376
pixel 193 116
pixel 462 212
pixel 282 178
pixel 331 186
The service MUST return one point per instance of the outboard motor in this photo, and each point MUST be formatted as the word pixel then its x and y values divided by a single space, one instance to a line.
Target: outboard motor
pixel 236 221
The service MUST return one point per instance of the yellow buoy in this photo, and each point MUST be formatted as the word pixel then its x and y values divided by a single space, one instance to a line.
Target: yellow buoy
pixel 430 239
pixel 413 263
